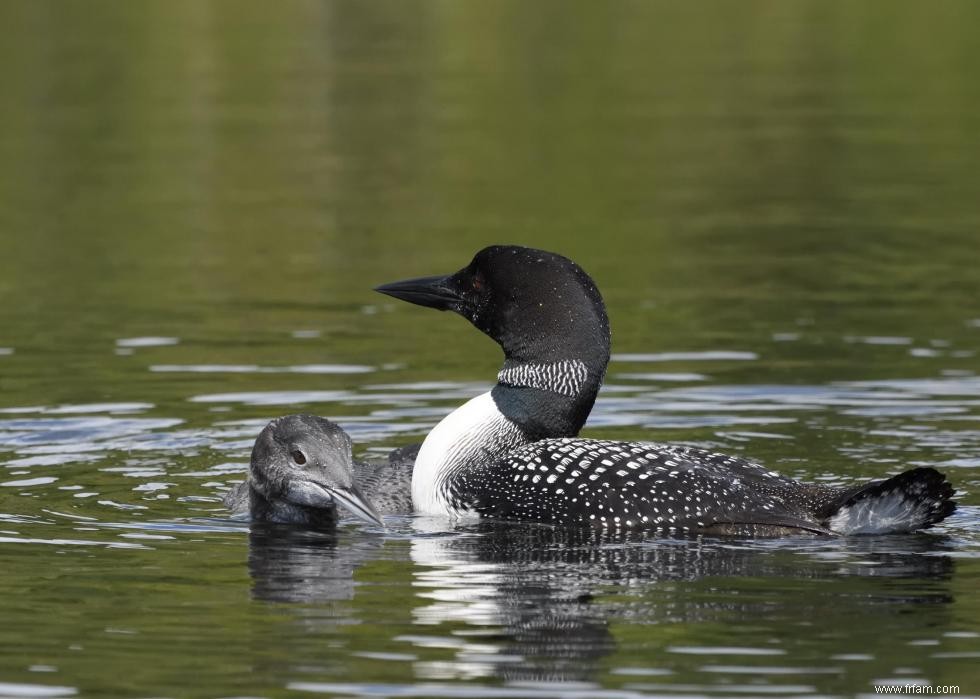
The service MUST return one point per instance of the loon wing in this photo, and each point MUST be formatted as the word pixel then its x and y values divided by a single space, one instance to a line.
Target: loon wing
pixel 640 485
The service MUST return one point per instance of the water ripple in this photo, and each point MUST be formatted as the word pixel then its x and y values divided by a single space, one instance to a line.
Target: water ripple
pixel 255 369
pixel 707 356
pixel 17 690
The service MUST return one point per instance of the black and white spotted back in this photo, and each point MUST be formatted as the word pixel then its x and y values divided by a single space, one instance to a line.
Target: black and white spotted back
pixel 647 485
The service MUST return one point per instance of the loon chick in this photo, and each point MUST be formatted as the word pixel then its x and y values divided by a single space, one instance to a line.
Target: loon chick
pixel 301 469
pixel 514 452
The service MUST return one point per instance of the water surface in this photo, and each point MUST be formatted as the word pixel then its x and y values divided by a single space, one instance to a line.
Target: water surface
pixel 778 200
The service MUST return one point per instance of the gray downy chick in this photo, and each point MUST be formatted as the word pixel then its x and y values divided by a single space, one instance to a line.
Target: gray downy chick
pixel 300 471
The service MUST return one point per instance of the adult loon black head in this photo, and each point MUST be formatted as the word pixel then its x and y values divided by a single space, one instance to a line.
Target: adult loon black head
pixel 549 318
pixel 300 471
pixel 547 315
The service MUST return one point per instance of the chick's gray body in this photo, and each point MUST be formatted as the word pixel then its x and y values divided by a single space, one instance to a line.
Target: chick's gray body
pixel 388 483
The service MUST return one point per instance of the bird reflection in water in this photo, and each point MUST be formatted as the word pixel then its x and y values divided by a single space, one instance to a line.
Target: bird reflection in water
pixel 291 564
pixel 553 596
pixel 541 603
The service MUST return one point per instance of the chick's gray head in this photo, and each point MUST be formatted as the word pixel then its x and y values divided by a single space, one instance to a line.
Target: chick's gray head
pixel 306 460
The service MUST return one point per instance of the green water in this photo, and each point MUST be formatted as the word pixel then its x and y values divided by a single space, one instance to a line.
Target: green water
pixel 196 199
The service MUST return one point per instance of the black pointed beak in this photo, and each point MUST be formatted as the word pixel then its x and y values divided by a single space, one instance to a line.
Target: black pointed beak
pixel 434 292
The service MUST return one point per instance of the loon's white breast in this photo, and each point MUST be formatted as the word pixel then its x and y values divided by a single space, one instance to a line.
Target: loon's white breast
pixel 474 433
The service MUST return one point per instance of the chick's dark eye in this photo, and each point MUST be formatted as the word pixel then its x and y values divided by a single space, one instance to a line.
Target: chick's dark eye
pixel 298 456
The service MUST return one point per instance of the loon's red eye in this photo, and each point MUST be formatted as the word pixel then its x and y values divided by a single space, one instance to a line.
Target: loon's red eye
pixel 298 456
pixel 477 283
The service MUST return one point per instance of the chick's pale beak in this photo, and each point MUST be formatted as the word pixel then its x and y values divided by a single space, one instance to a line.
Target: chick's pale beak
pixel 354 501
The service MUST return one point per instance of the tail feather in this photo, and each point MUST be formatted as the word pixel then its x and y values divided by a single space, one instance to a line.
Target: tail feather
pixel 911 500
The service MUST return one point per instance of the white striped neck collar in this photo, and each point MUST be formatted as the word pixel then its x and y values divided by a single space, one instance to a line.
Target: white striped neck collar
pixel 566 377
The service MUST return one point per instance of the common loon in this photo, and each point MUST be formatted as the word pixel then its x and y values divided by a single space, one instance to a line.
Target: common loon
pixel 301 469
pixel 514 452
